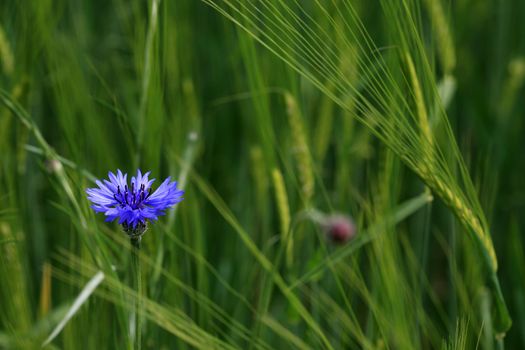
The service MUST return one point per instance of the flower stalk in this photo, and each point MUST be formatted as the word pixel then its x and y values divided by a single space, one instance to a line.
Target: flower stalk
pixel 136 276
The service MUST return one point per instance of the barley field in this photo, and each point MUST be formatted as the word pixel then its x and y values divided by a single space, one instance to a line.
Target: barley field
pixel 329 174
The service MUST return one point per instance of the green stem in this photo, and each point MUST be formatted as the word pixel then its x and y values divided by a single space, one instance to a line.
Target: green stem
pixel 136 325
pixel 500 344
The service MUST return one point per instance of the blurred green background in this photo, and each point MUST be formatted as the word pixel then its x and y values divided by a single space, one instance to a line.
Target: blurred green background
pixel 273 115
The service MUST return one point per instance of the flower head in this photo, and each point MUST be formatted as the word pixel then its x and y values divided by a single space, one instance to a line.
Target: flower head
pixel 339 228
pixel 133 205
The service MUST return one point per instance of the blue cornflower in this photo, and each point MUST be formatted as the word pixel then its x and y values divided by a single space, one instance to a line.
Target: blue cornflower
pixel 135 205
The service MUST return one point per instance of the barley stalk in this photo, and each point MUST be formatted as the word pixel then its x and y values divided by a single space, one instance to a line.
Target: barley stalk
pixel 420 104
pixel 445 42
pixel 284 213
pixel 300 146
pixel 6 54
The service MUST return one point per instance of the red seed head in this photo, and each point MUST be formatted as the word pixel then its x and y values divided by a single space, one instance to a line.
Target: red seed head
pixel 339 228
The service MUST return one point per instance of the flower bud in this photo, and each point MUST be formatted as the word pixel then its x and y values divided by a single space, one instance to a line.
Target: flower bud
pixel 53 165
pixel 135 232
pixel 339 228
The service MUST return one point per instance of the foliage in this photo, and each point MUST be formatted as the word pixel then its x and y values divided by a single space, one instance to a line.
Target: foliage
pixel 271 115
